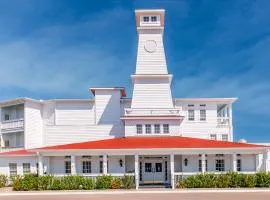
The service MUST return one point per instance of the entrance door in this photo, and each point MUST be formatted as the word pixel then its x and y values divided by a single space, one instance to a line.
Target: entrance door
pixel 153 171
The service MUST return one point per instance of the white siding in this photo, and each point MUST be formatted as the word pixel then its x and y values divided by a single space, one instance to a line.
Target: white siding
pixel 4 164
pixel 74 113
pixel 107 106
pixel 151 63
pixel 33 125
pixel 71 134
pixel 152 93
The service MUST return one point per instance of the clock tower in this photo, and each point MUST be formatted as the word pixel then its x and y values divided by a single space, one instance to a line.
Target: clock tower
pixel 151 81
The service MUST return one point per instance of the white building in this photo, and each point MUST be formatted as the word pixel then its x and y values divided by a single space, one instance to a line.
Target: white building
pixel 152 135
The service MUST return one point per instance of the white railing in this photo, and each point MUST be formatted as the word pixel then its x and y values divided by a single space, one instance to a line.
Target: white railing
pixel 152 112
pixel 213 172
pixel 12 125
pixel 223 120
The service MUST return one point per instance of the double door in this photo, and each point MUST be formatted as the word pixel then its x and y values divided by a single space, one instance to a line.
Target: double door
pixel 153 171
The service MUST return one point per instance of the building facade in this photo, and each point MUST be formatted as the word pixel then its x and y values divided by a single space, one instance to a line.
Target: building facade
pixel 151 136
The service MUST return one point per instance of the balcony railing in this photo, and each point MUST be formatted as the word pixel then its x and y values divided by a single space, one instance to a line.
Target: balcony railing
pixel 12 125
pixel 152 112
pixel 223 121
pixel 6 149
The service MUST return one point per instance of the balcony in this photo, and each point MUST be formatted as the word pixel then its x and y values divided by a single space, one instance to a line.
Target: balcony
pixel 12 125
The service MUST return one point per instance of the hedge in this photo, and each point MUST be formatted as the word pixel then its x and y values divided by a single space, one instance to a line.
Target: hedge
pixel 228 180
pixel 3 180
pixel 33 182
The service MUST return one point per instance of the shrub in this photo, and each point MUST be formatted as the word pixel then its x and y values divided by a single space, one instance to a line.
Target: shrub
pixel 88 184
pixel 228 180
pixel 116 183
pixel 17 183
pixel 128 182
pixel 103 182
pixel 3 180
pixel 45 182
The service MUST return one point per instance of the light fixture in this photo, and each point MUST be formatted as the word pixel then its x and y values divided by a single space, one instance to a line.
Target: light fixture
pixel 186 162
pixel 121 163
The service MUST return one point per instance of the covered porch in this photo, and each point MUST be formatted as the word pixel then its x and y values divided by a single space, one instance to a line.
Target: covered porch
pixel 152 160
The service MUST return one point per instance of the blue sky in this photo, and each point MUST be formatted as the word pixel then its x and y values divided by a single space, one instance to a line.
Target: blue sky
pixel 58 49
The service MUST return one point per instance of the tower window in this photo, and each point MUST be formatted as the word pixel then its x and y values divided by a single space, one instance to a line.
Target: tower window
pixel 191 115
pixel 145 19
pixel 202 115
pixel 153 18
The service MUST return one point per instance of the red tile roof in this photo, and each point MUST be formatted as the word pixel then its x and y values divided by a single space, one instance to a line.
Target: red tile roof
pixel 18 153
pixel 154 142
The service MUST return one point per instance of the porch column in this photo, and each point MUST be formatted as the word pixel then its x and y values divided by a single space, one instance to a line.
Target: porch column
pixel 203 163
pixel 172 171
pixel 73 165
pixel 266 160
pixel 40 165
pixel 136 163
pixel 105 166
pixel 234 163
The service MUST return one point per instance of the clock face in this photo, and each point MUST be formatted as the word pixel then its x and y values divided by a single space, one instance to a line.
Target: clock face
pixel 150 46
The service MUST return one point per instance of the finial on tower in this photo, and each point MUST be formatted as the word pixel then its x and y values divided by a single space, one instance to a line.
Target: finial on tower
pixel 150 18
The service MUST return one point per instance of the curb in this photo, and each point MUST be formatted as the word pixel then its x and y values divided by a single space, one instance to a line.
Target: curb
pixel 140 191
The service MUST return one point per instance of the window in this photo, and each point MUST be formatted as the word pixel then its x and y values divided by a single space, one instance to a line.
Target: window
pixel 186 162
pixel 7 117
pixel 12 169
pixel 220 165
pixel 200 165
pixel 191 115
pixel 148 167
pixel 213 137
pixel 202 105
pixel 139 128
pixel 68 167
pixel 148 129
pixel 157 128
pixel 26 168
pixel 166 128
pixel 190 105
pixel 153 18
pixel 224 137
pixel 86 167
pixel 239 165
pixel 202 115
pixel 145 19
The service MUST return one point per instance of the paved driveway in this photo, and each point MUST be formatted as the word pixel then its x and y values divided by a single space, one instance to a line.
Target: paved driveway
pixel 140 196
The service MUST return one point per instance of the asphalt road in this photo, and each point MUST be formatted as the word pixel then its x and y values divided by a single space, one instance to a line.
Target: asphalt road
pixel 139 196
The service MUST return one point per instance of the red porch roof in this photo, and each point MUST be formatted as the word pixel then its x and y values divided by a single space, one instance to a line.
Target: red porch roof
pixel 151 142
pixel 18 153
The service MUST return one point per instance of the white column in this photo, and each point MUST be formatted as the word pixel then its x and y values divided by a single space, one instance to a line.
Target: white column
pixel 203 163
pixel 234 163
pixel 40 165
pixel 136 163
pixel 172 171
pixel 258 162
pixel 73 165
pixel 266 160
pixel 105 166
